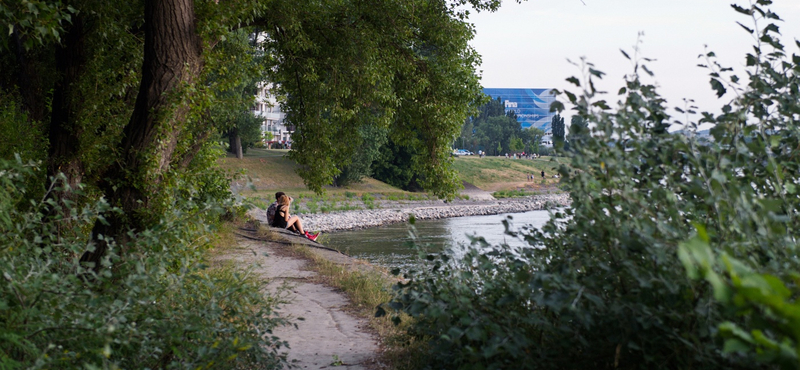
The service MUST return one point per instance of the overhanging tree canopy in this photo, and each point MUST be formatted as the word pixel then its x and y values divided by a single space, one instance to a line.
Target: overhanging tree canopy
pixel 134 79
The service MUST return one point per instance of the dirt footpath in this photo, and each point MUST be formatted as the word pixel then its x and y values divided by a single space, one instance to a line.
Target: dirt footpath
pixel 475 193
pixel 326 336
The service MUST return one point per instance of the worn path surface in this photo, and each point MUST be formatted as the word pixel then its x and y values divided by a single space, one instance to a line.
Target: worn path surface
pixel 327 336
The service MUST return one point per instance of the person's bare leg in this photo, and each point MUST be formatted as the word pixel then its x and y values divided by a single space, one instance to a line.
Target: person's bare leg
pixel 294 220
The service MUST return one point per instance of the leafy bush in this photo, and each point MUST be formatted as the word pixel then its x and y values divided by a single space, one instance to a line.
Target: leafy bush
pixel 154 304
pixel 17 133
pixel 545 151
pixel 770 306
pixel 601 285
pixel 368 140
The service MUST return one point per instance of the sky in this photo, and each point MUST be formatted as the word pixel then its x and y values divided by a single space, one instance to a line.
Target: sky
pixel 527 45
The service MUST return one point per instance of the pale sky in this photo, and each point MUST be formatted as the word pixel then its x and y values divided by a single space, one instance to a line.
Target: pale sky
pixel 528 44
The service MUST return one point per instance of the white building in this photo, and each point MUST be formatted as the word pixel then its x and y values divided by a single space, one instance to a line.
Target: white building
pixel 267 107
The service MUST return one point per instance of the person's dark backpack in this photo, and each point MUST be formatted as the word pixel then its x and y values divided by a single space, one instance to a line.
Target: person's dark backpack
pixel 271 210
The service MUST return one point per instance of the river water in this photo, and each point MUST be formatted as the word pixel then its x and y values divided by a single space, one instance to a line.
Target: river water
pixel 389 245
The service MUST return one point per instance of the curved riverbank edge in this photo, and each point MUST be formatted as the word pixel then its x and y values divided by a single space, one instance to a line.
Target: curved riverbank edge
pixel 394 213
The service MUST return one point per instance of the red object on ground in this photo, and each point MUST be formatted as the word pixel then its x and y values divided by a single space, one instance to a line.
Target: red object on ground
pixel 312 237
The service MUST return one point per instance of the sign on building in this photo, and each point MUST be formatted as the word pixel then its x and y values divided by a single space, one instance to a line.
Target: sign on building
pixel 532 106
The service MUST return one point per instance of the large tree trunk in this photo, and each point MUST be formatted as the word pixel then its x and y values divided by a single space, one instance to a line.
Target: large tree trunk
pixel 63 132
pixel 172 60
pixel 236 143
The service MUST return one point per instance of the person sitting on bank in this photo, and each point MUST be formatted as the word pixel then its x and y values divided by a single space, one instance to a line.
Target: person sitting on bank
pixel 286 221
pixel 273 208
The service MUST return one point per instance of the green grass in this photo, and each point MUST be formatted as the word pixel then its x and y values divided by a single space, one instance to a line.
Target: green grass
pixel 259 203
pixel 512 193
pixel 495 173
pixel 271 171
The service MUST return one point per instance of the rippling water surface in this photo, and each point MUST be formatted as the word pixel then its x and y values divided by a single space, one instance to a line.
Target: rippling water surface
pixel 388 245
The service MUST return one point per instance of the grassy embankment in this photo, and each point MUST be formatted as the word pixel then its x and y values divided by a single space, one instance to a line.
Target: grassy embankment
pixel 509 177
pixel 271 171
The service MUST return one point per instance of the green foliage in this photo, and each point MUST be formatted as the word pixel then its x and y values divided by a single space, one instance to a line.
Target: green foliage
pixel 769 305
pixel 344 60
pixel 395 166
pixel 105 89
pixel 406 63
pixel 496 133
pixel 369 200
pixel 532 138
pixel 368 142
pixel 494 130
pixel 33 21
pixel 473 310
pixel 602 285
pixel 56 313
pixel 311 206
pixel 578 131
pixel 546 151
pixel 17 133
pixel 203 183
pixel 557 125
pixel 515 144
pixel 249 129
pixel 234 70
pixel 512 193
pixel 491 108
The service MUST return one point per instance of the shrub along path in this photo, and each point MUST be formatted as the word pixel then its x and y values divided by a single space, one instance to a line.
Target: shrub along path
pixel 324 334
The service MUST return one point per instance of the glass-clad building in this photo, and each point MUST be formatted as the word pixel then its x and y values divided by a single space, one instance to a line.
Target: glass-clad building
pixel 532 106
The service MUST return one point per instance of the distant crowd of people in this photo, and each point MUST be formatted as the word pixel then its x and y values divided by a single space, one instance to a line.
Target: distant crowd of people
pixel 523 155
pixel 278 216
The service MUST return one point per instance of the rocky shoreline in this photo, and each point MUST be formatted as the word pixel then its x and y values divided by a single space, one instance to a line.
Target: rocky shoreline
pixel 396 212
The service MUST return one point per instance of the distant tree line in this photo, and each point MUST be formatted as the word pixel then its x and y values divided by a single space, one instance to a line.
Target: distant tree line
pixel 578 130
pixel 388 159
pixel 496 132
pixel 491 130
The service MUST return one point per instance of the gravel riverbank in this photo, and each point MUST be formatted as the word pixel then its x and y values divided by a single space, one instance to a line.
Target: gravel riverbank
pixel 398 212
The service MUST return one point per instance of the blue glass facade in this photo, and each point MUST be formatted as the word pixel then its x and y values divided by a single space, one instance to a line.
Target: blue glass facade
pixel 532 106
